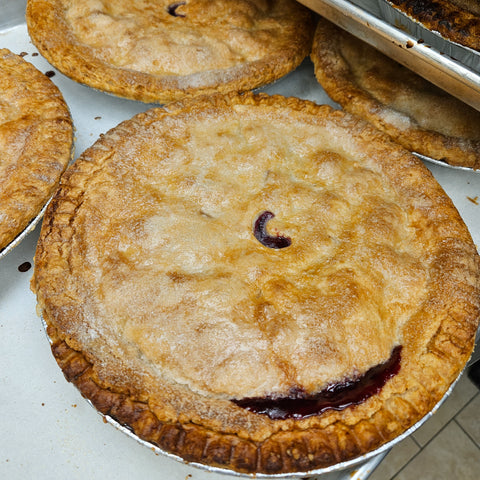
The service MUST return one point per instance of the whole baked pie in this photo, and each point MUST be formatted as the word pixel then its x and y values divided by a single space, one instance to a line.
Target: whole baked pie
pixel 158 51
pixel 258 284
pixel 416 113
pixel 36 137
pixel 455 20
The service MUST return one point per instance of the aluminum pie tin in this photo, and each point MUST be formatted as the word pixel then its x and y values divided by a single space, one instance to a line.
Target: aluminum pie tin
pixel 357 468
pixel 22 235
pixel 38 217
pixel 467 56
pixel 444 164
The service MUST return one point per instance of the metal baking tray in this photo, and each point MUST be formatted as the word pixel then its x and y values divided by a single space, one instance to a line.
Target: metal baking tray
pixel 50 430
pixel 365 20
pixel 465 55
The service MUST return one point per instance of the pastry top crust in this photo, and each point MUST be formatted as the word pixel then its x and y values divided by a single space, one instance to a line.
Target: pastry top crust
pixel 158 51
pixel 36 137
pixel 456 20
pixel 417 114
pixel 172 308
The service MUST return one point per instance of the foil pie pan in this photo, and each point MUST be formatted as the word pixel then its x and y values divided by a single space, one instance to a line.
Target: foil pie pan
pixel 355 469
pixel 33 222
pixel 465 55
pixel 358 468
pixel 29 228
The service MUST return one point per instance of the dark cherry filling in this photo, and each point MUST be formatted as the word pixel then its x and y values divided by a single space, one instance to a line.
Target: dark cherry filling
pixel 337 396
pixel 172 9
pixel 261 234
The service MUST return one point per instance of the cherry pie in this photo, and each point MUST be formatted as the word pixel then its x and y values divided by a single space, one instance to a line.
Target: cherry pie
pixel 36 138
pixel 417 114
pixel 257 283
pixel 158 51
pixel 456 20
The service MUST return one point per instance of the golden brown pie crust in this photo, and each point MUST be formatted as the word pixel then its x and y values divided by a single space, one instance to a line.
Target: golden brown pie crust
pixel 417 114
pixel 456 20
pixel 140 51
pixel 36 137
pixel 162 306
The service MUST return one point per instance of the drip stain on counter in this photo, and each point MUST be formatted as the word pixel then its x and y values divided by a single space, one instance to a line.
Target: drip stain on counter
pixel 24 267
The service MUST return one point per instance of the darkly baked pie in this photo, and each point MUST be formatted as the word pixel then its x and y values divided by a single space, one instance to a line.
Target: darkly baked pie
pixel 257 283
pixel 36 137
pixel 158 51
pixel 417 114
pixel 455 20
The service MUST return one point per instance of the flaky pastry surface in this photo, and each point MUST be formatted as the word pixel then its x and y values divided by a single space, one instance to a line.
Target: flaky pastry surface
pixel 158 51
pixel 417 114
pixel 163 307
pixel 36 137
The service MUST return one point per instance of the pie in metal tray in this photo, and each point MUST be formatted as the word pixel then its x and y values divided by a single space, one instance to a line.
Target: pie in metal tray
pixel 414 112
pixel 159 51
pixel 455 20
pixel 36 138
pixel 257 283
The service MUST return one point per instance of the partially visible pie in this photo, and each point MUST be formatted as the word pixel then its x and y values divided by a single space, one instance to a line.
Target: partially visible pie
pixel 36 137
pixel 417 114
pixel 257 283
pixel 456 20
pixel 158 51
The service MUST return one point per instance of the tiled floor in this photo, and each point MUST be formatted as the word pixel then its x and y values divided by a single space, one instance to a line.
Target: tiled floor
pixel 446 447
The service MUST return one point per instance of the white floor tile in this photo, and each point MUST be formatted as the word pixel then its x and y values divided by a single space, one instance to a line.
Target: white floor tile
pixel 469 419
pixel 463 392
pixel 396 459
pixel 451 455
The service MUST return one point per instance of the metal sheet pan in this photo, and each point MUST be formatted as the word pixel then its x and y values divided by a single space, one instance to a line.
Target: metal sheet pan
pixel 50 431
pixel 364 19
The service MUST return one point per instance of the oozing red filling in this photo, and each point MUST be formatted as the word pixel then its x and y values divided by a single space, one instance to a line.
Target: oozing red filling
pixel 172 9
pixel 261 234
pixel 299 404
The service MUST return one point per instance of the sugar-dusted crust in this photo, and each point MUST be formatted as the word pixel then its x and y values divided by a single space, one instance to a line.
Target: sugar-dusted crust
pixel 163 307
pixel 456 20
pixel 140 51
pixel 36 137
pixel 418 115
